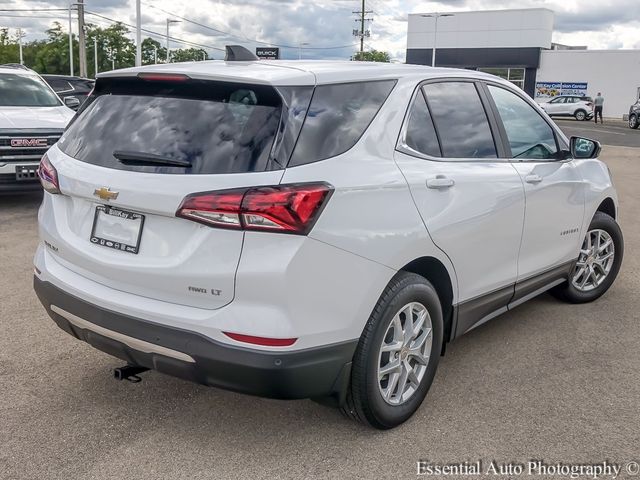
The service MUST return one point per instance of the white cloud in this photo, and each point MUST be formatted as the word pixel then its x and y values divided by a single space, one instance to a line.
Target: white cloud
pixel 329 23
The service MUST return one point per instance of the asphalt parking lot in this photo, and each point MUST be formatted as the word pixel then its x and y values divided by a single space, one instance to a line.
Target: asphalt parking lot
pixel 548 381
pixel 612 132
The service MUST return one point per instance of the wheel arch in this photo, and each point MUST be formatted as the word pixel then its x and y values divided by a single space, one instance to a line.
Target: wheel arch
pixel 435 272
pixel 608 206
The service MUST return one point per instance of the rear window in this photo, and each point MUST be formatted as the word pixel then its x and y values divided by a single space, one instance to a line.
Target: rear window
pixel 187 127
pixel 25 91
pixel 337 117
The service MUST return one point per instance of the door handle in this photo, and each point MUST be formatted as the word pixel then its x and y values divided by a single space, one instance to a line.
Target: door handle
pixel 533 178
pixel 439 182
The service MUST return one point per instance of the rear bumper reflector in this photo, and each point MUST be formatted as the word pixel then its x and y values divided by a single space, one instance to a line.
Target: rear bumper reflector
pixel 264 341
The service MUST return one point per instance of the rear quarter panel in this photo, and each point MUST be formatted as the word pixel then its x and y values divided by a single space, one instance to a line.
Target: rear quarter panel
pixel 372 213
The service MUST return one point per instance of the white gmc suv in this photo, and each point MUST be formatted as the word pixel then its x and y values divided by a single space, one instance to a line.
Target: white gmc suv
pixel 32 118
pixel 313 229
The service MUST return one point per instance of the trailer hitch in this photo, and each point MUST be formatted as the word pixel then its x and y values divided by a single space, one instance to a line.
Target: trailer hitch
pixel 129 372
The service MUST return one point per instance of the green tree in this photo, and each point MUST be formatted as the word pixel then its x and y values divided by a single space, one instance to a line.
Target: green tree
pixel 149 49
pixel 52 55
pixel 120 50
pixel 8 48
pixel 188 55
pixel 372 56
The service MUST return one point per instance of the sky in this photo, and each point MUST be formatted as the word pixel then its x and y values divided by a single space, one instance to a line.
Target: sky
pixel 324 27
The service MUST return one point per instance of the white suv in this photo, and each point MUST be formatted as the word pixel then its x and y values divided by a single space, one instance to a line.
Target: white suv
pixel 313 229
pixel 32 118
pixel 581 108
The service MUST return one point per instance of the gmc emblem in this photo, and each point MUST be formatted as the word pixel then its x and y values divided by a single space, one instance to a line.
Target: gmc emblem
pixel 29 142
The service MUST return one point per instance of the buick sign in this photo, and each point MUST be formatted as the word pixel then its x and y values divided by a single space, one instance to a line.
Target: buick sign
pixel 268 53
pixel 29 142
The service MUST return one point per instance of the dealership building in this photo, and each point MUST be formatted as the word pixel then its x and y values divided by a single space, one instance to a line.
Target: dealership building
pixel 517 45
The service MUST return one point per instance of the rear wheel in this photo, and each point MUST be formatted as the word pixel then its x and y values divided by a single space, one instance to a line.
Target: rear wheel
pixel 398 353
pixel 633 121
pixel 598 262
pixel 581 115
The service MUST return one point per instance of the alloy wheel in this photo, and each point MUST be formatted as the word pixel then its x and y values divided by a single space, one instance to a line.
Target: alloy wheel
pixel 404 353
pixel 595 261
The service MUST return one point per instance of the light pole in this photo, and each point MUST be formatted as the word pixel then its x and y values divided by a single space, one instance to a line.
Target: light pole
pixel 138 35
pixel 70 42
pixel 300 45
pixel 155 55
pixel 20 35
pixel 71 5
pixel 435 16
pixel 169 22
pixel 82 46
pixel 95 57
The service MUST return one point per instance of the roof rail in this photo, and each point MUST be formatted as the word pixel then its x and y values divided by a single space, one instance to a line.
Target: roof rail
pixel 237 53
pixel 17 66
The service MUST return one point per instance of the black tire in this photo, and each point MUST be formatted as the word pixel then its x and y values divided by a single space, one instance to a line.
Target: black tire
pixel 568 292
pixel 580 115
pixel 633 121
pixel 365 402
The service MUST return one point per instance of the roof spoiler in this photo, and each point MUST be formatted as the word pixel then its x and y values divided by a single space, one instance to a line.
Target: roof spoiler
pixel 237 53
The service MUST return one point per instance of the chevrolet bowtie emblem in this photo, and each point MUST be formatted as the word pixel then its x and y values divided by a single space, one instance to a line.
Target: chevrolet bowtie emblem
pixel 105 193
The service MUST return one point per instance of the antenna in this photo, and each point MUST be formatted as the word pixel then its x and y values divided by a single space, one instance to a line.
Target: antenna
pixel 237 53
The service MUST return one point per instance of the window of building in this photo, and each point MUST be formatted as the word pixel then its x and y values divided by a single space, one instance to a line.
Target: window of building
pixel 514 75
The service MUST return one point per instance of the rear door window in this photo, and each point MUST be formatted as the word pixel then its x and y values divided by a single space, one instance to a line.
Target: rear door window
pixel 460 120
pixel 189 127
pixel 420 133
pixel 337 117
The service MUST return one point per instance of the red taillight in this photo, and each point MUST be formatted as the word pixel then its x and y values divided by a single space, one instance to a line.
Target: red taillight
pixel 264 341
pixel 48 175
pixel 163 77
pixel 281 208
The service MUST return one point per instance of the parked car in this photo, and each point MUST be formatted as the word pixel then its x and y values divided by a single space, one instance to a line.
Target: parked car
pixel 70 87
pixel 634 115
pixel 313 229
pixel 32 119
pixel 579 107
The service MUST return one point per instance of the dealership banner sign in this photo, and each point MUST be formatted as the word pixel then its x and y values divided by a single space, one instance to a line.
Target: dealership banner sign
pixel 552 89
pixel 268 53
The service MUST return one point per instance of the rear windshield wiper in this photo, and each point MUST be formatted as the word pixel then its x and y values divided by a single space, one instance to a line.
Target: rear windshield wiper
pixel 133 158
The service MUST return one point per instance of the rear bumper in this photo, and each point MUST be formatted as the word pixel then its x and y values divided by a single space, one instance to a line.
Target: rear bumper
pixel 310 373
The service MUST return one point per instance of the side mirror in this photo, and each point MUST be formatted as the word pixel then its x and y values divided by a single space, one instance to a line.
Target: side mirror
pixel 72 102
pixel 584 148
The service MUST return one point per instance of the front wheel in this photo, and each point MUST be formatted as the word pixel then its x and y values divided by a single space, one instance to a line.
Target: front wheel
pixel 581 115
pixel 633 121
pixel 598 262
pixel 398 353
